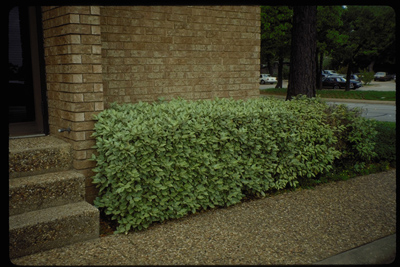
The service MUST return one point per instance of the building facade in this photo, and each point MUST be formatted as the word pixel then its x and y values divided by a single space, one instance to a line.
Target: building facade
pixel 95 55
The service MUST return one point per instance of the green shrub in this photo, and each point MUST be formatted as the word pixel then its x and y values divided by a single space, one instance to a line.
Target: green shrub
pixel 367 77
pixel 385 140
pixel 355 134
pixel 167 159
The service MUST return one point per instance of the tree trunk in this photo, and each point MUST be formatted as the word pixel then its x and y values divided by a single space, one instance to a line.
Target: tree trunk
pixel 349 66
pixel 269 66
pixel 371 66
pixel 302 59
pixel 318 75
pixel 280 72
pixel 321 62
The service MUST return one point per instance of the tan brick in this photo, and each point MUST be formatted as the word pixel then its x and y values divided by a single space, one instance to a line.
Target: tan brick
pixel 80 154
pixel 99 106
pixel 88 97
pixel 82 126
pixel 78 136
pixel 95 10
pixel 90 39
pixel 90 115
pixel 83 164
pixel 70 97
pixel 90 19
pixel 91 59
pixel 72 116
pixel 79 107
pixel 83 145
pixel 91 78
pixel 98 87
pixel 96 49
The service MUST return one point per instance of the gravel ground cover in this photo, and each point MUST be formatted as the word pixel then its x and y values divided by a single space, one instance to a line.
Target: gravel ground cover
pixel 298 227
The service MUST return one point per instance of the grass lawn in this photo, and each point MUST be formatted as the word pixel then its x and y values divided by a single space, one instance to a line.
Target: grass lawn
pixel 341 93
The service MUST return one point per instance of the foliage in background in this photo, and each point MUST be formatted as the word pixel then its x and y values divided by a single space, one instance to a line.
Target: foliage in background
pixel 168 159
pixel 362 36
pixel 367 76
pixel 367 37
pixel 276 24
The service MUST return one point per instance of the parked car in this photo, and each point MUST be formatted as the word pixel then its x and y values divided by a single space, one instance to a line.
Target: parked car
pixel 356 83
pixel 338 82
pixel 267 78
pixel 382 76
pixel 329 72
pixel 355 77
pixel 332 73
pixel 359 75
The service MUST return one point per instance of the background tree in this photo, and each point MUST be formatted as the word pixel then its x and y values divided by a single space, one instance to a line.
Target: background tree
pixel 352 37
pixel 367 34
pixel 380 46
pixel 302 76
pixel 329 21
pixel 276 23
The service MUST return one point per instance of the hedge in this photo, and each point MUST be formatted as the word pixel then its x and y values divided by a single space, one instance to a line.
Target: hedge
pixel 385 140
pixel 167 159
pixel 356 136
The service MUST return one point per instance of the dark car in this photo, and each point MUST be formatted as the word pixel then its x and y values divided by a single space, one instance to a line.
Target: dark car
pixel 355 77
pixel 339 82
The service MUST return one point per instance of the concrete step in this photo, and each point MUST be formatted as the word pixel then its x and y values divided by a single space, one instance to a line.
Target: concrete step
pixel 38 155
pixel 40 230
pixel 45 190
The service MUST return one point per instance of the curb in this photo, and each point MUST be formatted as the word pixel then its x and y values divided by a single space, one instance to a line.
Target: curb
pixel 381 251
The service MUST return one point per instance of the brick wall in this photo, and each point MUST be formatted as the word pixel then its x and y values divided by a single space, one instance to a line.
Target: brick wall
pixel 72 48
pixel 192 52
pixel 97 55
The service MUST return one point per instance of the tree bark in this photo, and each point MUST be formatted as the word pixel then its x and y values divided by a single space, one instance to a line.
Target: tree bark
pixel 280 72
pixel 317 77
pixel 302 59
pixel 371 66
pixel 349 66
pixel 321 62
pixel 269 66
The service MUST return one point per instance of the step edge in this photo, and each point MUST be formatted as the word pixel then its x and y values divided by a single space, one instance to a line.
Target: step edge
pixel 49 214
pixel 60 235
pixel 44 191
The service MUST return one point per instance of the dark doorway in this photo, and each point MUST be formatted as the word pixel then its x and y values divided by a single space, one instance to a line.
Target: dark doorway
pixel 26 96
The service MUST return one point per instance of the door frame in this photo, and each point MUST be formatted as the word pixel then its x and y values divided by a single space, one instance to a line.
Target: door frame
pixel 40 125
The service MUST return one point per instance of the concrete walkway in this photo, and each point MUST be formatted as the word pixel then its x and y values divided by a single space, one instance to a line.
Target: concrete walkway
pixel 382 251
pixel 346 222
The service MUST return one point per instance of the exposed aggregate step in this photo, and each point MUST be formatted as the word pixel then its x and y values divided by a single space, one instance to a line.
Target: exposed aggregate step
pixel 53 227
pixel 37 155
pixel 45 190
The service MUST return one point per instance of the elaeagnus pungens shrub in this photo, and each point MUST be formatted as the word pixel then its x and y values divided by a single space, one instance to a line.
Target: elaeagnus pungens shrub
pixel 163 160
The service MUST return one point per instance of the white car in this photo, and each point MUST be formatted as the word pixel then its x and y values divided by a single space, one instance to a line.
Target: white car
pixel 382 76
pixel 266 78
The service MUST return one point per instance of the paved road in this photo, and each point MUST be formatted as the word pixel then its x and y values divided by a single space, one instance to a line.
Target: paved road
pixel 379 86
pixel 379 112
pixel 374 86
